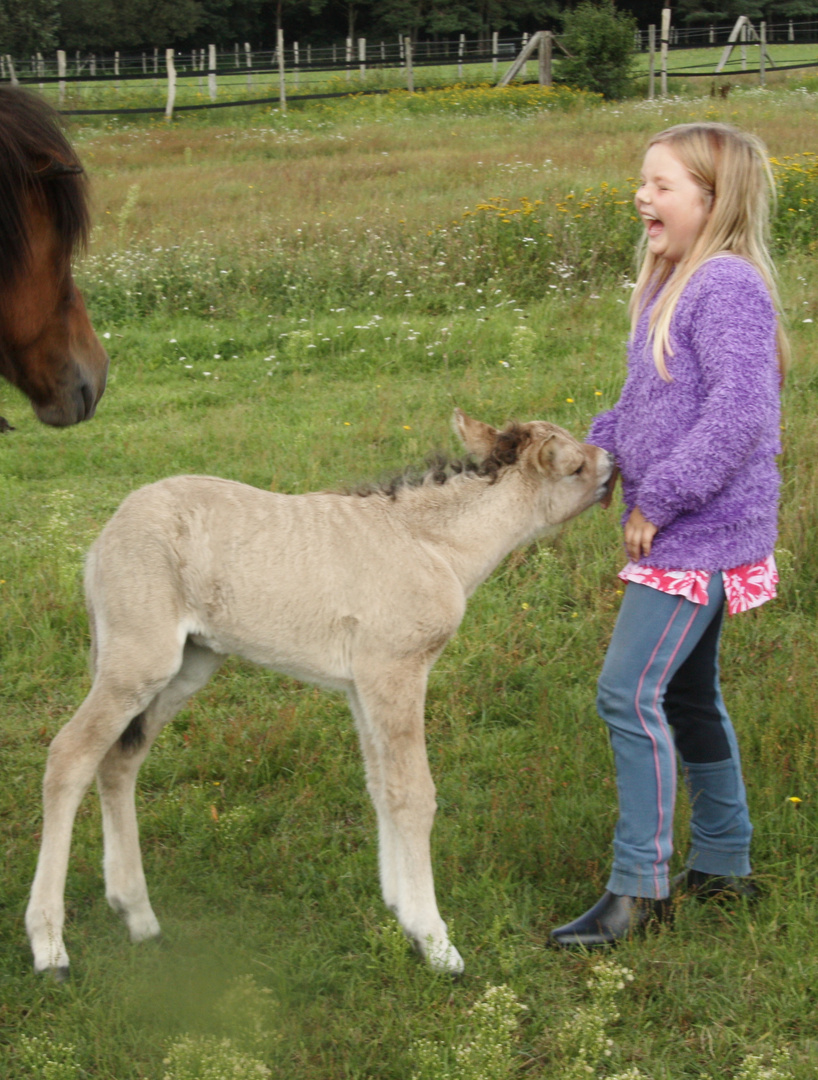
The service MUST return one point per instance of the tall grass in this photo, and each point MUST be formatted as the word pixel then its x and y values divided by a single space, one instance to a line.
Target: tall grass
pixel 259 842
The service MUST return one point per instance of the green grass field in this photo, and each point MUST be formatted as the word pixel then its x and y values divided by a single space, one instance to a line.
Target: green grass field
pixel 298 302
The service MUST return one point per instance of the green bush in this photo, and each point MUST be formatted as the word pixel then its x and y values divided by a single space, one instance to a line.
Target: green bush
pixel 601 42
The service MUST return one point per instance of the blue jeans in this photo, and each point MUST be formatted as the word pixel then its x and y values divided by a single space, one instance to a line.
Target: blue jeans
pixel 659 695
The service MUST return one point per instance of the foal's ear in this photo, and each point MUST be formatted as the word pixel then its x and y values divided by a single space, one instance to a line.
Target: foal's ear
pixel 544 454
pixel 478 438
pixel 558 456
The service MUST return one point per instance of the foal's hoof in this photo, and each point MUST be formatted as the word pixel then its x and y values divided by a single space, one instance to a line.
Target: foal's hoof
pixel 143 926
pixel 443 957
pixel 58 974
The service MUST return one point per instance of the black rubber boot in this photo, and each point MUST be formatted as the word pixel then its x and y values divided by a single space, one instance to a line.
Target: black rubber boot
pixel 721 888
pixel 611 919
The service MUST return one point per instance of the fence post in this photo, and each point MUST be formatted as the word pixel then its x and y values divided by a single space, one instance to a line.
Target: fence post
pixel 93 65
pixel 12 72
pixel 790 32
pixel 348 56
pixel 248 56
pixel 116 69
pixel 410 78
pixel 461 48
pixel 282 89
pixel 546 50
pixel 665 40
pixel 495 46
pixel 2 66
pixel 651 61
pixel 171 69
pixel 211 71
pixel 743 40
pixel 762 53
pixel 362 57
pixel 61 66
pixel 295 62
pixel 524 72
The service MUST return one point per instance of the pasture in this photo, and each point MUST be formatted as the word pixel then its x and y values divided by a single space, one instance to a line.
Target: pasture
pixel 298 302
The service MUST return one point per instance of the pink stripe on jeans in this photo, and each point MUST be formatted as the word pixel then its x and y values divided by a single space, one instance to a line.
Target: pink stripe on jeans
pixel 663 727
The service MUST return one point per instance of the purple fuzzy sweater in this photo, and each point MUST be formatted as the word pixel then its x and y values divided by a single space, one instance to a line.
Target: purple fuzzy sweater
pixel 697 455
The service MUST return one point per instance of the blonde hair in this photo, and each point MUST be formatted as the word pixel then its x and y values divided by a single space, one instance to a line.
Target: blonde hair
pixel 733 171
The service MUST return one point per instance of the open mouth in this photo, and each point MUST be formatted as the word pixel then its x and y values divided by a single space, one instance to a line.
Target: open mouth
pixel 653 225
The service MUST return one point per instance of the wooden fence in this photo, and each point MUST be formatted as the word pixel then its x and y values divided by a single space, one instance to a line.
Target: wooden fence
pixel 290 64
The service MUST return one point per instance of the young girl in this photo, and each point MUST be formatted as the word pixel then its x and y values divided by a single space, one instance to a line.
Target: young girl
pixel 694 435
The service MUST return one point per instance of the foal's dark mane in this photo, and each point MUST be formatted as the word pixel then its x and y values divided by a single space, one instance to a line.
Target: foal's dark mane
pixel 36 160
pixel 440 468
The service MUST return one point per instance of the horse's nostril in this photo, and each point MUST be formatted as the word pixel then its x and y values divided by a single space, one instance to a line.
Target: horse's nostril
pixel 88 400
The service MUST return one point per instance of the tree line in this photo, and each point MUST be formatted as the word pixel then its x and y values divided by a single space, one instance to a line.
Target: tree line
pixel 30 26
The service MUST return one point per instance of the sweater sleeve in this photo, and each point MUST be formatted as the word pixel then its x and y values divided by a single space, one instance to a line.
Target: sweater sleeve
pixel 603 431
pixel 732 337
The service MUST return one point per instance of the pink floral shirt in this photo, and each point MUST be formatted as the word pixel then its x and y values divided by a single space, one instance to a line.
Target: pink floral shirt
pixel 745 586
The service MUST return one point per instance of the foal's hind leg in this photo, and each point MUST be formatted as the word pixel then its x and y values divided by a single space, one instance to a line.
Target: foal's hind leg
pixel 131 673
pixel 73 758
pixel 388 703
pixel 125 886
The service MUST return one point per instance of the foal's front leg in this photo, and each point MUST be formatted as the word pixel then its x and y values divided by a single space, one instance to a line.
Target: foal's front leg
pixel 388 703
pixel 387 836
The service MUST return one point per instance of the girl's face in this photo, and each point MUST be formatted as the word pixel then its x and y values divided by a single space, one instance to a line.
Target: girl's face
pixel 671 204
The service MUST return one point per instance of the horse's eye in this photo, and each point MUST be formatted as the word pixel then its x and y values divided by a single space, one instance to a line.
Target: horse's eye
pixel 578 472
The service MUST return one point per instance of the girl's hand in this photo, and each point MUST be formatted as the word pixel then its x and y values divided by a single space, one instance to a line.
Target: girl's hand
pixel 639 534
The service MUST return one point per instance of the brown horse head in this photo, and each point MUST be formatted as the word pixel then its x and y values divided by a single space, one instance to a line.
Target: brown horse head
pixel 48 347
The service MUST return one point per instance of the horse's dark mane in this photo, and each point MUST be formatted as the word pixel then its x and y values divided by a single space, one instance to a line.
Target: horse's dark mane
pixel 36 160
pixel 440 467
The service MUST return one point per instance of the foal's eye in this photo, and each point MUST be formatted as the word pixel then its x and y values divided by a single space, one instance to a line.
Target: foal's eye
pixel 578 472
